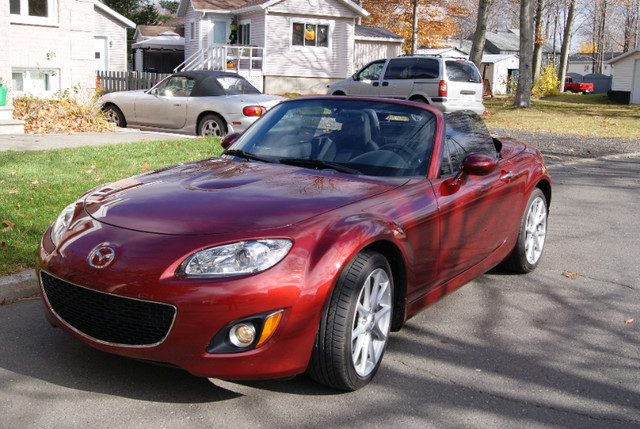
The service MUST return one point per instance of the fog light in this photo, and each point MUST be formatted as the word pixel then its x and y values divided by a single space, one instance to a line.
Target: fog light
pixel 242 334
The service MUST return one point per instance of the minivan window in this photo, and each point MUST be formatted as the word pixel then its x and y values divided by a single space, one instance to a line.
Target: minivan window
pixel 399 68
pixel 426 68
pixel 462 71
pixel 372 71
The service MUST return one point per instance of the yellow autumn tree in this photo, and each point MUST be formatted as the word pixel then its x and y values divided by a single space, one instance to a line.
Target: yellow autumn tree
pixel 438 20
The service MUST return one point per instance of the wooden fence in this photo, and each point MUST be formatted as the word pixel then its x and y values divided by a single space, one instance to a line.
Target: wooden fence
pixel 113 81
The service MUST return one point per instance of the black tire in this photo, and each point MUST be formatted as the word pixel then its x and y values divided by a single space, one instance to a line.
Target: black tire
pixel 336 360
pixel 419 99
pixel 114 115
pixel 531 236
pixel 212 125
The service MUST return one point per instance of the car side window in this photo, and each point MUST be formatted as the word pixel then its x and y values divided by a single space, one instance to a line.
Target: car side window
pixel 465 133
pixel 177 86
pixel 400 68
pixel 462 71
pixel 372 71
pixel 426 68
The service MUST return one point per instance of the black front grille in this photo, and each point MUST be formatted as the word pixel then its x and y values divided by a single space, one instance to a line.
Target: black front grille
pixel 108 318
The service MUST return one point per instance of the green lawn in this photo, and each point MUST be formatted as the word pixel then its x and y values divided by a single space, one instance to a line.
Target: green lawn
pixel 36 185
pixel 589 115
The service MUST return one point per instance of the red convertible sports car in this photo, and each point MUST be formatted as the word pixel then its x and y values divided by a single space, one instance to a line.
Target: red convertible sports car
pixel 323 227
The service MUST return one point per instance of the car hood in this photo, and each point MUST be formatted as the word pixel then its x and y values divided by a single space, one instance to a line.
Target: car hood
pixel 218 196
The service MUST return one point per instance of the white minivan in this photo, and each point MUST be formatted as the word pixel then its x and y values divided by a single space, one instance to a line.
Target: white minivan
pixel 450 84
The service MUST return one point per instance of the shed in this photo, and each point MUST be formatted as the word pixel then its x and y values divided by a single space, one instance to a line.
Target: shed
pixel 500 71
pixel 443 52
pixel 372 43
pixel 625 86
pixel 110 38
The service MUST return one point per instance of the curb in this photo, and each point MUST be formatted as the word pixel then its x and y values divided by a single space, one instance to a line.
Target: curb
pixel 18 286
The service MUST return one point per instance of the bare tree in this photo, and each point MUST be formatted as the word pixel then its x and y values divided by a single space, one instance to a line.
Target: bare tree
pixel 599 35
pixel 631 13
pixel 525 72
pixel 477 48
pixel 539 39
pixel 566 43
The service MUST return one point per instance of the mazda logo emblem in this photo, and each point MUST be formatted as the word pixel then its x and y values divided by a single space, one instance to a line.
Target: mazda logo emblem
pixel 102 256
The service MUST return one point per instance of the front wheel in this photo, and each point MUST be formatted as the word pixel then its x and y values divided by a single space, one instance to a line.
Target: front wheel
pixel 114 115
pixel 212 125
pixel 355 328
pixel 531 236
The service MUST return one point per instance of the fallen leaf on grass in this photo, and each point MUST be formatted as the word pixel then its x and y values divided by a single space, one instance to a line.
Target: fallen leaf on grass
pixel 570 275
pixel 8 226
pixel 628 321
pixel 13 191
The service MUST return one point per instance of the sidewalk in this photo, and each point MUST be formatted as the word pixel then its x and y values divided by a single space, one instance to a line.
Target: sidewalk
pixel 55 141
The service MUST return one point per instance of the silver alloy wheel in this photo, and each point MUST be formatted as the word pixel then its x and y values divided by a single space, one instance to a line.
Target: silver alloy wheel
pixel 211 127
pixel 536 230
pixel 371 323
pixel 112 116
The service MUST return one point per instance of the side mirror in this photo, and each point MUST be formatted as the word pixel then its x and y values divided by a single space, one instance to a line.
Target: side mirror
pixel 476 164
pixel 479 164
pixel 229 139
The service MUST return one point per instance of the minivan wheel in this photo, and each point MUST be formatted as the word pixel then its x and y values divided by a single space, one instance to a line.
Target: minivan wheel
pixel 419 99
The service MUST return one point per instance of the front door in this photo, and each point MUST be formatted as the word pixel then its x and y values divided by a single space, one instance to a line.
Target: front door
pixel 101 59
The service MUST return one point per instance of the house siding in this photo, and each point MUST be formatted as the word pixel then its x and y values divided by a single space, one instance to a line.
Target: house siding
pixel 117 37
pixel 366 51
pixel 283 59
pixel 191 46
pixel 623 73
pixel 67 47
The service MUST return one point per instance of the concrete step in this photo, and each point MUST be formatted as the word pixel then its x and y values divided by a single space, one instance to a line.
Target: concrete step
pixel 8 125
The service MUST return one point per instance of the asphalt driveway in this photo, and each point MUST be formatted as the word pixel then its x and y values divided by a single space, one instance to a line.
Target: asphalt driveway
pixel 559 347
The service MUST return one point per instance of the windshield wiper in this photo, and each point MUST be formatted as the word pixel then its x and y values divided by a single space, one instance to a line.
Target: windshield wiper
pixel 247 155
pixel 306 162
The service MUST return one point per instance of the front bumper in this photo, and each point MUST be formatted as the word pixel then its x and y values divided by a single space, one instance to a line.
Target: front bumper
pixel 135 309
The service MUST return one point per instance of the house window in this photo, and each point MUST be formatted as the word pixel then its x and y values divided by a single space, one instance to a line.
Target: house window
pixel 310 34
pixel 32 11
pixel 34 82
pixel 244 35
pixel 192 30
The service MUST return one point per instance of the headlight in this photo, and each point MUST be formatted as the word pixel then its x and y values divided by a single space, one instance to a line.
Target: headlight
pixel 243 257
pixel 62 224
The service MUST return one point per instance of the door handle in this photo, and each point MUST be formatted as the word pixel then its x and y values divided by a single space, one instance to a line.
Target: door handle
pixel 177 104
pixel 385 83
pixel 507 176
pixel 376 83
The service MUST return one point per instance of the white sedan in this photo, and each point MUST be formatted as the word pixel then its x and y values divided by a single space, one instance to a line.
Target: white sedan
pixel 200 102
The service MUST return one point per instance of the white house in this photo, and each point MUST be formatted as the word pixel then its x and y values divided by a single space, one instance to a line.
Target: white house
pixel 280 45
pixel 626 77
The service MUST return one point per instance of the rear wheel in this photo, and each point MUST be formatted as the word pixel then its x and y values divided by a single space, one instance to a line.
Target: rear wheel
pixel 212 125
pixel 355 328
pixel 114 115
pixel 531 236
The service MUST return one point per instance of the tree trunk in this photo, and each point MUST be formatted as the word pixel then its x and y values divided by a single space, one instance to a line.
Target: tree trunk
pixel 566 43
pixel 538 40
pixel 525 72
pixel 414 34
pixel 477 48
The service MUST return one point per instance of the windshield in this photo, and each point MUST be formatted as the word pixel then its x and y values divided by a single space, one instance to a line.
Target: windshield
pixel 360 137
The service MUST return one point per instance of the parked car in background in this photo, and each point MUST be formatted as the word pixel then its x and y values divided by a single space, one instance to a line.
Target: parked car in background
pixel 570 85
pixel 196 102
pixel 327 224
pixel 450 84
